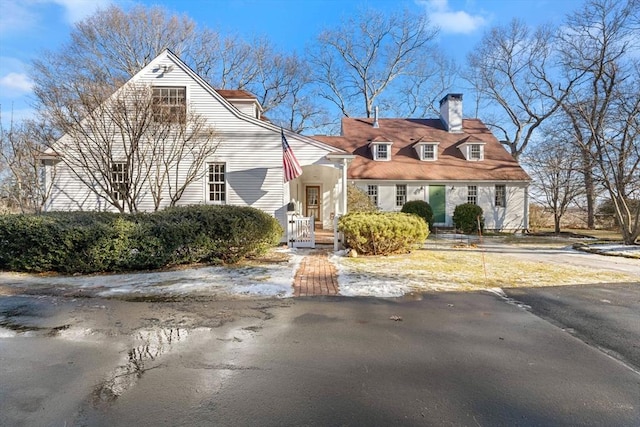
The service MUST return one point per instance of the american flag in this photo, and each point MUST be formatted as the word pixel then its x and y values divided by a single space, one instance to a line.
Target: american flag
pixel 292 168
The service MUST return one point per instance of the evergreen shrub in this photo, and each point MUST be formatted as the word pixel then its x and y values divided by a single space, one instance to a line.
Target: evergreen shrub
pixel 420 208
pixel 90 242
pixel 465 218
pixel 383 233
pixel 358 200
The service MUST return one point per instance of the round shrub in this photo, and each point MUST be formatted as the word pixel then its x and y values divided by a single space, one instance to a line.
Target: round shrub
pixel 382 233
pixel 420 208
pixel 465 218
pixel 358 200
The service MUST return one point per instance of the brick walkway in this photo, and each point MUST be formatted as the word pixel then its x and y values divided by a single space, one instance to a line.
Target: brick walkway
pixel 315 276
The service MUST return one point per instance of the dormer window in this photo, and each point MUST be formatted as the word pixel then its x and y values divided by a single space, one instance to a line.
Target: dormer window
pixel 380 150
pixel 427 151
pixel 473 151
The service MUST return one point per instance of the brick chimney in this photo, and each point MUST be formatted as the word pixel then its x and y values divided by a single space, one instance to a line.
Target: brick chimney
pixel 451 112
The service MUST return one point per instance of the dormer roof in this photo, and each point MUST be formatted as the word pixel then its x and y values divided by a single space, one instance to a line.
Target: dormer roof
pixel 358 134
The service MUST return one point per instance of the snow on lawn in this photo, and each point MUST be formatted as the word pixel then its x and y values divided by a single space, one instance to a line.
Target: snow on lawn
pixel 265 279
pixel 455 269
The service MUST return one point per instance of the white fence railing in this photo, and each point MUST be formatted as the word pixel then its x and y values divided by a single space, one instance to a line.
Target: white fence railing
pixel 301 232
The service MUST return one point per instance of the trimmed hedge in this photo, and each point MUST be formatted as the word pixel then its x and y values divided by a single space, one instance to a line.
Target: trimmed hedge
pixel 420 208
pixel 90 242
pixel 382 233
pixel 465 218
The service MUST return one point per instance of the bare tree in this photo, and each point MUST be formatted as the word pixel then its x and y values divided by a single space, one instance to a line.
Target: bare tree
pixel 604 110
pixel 112 45
pixel 23 185
pixel 130 144
pixel 555 167
pixel 358 61
pixel 512 68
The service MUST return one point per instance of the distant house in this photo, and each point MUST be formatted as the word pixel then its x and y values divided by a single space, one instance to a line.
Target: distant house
pixel 246 168
pixel 446 161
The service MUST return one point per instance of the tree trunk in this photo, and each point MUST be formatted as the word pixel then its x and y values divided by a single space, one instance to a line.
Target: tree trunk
pixel 556 223
pixel 590 189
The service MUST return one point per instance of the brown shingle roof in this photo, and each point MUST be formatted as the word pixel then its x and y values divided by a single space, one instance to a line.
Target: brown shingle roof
pixel 235 94
pixel 405 163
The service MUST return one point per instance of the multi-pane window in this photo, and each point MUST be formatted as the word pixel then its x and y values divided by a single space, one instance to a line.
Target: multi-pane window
pixel 501 196
pixel 401 194
pixel 472 194
pixel 169 104
pixel 382 152
pixel 119 180
pixel 216 185
pixel 475 152
pixel 428 152
pixel 372 192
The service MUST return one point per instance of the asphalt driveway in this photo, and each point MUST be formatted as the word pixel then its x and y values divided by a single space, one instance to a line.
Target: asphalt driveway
pixel 604 316
pixel 434 359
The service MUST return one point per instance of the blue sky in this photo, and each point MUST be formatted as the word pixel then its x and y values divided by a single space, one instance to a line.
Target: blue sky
pixel 28 27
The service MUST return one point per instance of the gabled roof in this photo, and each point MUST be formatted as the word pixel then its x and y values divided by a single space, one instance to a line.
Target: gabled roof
pixel 357 134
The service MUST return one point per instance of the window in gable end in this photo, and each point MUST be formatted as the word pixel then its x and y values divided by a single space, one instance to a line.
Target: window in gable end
pixel 169 104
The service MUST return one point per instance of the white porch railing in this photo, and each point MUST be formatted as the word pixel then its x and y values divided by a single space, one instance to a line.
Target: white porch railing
pixel 301 232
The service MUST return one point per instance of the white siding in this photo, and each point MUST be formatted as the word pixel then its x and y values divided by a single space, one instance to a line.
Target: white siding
pixel 252 151
pixel 512 217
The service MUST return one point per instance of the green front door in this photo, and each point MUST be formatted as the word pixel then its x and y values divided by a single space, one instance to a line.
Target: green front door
pixel 437 202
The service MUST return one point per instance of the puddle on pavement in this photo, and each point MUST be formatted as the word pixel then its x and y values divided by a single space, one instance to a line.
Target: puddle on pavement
pixel 20 315
pixel 151 345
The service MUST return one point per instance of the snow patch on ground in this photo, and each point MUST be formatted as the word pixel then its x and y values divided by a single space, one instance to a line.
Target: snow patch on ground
pixel 377 280
pixel 264 280
pixel 632 251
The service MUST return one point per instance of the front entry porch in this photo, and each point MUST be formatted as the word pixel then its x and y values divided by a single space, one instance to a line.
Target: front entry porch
pixel 317 197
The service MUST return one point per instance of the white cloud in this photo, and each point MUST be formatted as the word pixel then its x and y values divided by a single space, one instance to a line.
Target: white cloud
pixel 16 82
pixel 16 16
pixel 450 21
pixel 77 10
pixel 23 15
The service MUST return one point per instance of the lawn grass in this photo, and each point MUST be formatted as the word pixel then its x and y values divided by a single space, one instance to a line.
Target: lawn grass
pixel 459 268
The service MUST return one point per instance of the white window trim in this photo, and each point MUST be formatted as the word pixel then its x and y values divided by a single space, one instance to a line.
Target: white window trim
pixel 472 189
pixel 406 191
pixel 374 151
pixel 373 197
pixel 466 150
pixel 207 192
pixel 420 151
pixel 119 178
pixel 186 96
pixel 503 200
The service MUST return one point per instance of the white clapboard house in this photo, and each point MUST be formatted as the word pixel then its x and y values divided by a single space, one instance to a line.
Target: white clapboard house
pixel 445 161
pixel 246 168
